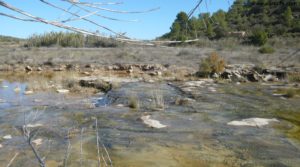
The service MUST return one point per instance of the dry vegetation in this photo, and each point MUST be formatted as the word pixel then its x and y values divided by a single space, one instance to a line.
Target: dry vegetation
pixel 212 64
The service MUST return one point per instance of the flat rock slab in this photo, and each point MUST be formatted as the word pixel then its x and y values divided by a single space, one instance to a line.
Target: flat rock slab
pixel 152 123
pixel 62 91
pixel 255 122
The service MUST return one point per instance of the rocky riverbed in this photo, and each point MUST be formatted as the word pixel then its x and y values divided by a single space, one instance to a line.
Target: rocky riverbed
pixel 147 115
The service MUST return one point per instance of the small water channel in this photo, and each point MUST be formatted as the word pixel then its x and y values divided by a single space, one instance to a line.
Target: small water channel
pixel 197 133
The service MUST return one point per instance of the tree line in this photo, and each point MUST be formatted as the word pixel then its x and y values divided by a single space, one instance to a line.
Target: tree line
pixel 258 19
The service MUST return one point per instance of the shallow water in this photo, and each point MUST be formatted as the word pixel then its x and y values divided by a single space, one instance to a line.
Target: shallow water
pixel 197 133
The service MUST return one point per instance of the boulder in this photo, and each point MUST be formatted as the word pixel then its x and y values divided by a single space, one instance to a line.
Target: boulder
pixel 270 78
pixel 253 77
pixel 28 68
pixel 95 83
pixel 39 69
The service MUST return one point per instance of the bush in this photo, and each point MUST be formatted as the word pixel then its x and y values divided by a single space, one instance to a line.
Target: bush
pixel 68 39
pixel 266 50
pixel 133 102
pixel 212 64
pixel 290 93
pixel 259 37
pixel 294 77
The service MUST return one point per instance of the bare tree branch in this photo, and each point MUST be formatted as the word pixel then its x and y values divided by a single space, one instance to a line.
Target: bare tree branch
pixel 74 14
pixel 18 18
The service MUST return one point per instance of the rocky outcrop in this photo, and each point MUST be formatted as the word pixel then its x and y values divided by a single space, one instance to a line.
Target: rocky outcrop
pixel 151 69
pixel 251 73
pixel 95 83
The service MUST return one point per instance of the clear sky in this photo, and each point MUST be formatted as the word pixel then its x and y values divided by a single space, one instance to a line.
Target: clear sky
pixel 150 25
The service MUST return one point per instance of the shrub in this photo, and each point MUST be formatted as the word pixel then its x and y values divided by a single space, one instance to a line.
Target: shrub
pixel 212 64
pixel 290 93
pixel 259 37
pixel 266 50
pixel 133 102
pixel 68 39
pixel 158 102
pixel 294 77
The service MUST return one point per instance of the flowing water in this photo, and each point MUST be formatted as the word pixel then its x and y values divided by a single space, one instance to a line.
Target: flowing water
pixel 197 133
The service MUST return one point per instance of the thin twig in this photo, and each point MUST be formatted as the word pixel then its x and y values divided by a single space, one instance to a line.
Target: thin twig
pixel 67 154
pixel 81 133
pixel 12 160
pixel 110 161
pixel 104 159
pixel 98 149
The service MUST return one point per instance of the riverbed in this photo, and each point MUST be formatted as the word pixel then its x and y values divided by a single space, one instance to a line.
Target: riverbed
pixel 64 127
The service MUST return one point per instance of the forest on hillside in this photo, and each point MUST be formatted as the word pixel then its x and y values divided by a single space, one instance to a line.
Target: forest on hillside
pixel 259 18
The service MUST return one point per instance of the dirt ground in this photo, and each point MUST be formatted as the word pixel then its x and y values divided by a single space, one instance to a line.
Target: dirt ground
pixel 178 56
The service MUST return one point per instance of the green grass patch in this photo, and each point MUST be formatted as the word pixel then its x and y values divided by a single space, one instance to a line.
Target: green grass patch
pixel 292 117
pixel 289 92
pixel 266 50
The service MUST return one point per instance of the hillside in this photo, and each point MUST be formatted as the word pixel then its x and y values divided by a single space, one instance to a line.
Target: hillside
pixel 9 39
pixel 274 17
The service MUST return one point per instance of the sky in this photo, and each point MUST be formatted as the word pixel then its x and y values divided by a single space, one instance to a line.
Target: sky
pixel 149 26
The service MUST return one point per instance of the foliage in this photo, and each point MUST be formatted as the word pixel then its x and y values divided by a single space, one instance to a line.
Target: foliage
pixel 294 77
pixel 212 64
pixel 266 50
pixel 259 37
pixel 288 17
pixel 68 39
pixel 274 17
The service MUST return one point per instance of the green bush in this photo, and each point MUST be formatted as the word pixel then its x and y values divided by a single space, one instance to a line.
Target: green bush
pixel 290 93
pixel 259 37
pixel 266 50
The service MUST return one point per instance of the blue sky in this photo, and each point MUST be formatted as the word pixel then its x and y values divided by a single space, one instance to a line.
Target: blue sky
pixel 150 25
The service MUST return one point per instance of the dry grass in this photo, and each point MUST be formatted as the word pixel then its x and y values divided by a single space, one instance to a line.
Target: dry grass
pixel 158 102
pixel 212 64
pixel 142 55
pixel 289 92
pixel 133 102
pixel 294 77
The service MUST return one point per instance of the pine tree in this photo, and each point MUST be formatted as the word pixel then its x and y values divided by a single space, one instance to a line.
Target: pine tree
pixel 288 17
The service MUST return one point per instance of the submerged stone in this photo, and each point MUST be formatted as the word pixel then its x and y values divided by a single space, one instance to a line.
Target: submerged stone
pixel 256 122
